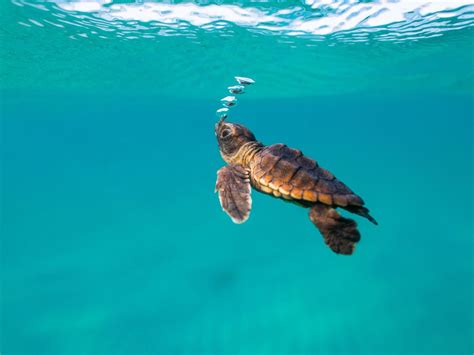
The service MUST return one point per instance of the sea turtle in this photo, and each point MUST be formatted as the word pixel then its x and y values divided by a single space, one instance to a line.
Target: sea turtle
pixel 285 173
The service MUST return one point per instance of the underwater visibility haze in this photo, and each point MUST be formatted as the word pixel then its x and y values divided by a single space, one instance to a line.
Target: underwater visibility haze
pixel 112 238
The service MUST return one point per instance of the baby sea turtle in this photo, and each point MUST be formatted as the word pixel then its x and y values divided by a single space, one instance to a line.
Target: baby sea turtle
pixel 285 173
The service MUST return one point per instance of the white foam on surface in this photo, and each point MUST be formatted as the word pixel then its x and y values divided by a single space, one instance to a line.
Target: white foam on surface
pixel 313 17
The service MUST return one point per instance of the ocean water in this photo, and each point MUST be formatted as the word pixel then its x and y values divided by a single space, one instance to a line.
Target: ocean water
pixel 112 239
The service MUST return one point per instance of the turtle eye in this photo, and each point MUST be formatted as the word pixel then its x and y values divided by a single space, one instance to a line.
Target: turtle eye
pixel 225 133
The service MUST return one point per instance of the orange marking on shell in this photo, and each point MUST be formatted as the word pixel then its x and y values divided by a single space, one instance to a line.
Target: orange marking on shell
pixel 310 195
pixel 275 184
pixel 296 193
pixel 325 198
pixel 266 189
pixel 265 180
pixel 285 189
pixel 276 193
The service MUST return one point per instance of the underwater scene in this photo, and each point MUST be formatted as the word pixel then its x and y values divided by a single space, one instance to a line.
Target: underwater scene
pixel 113 240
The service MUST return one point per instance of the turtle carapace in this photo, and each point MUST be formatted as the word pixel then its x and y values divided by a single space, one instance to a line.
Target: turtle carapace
pixel 285 173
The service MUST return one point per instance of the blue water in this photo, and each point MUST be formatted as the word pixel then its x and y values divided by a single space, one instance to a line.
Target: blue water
pixel 113 241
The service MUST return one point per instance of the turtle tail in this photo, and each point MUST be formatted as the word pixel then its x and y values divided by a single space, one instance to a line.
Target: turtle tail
pixel 339 233
pixel 361 211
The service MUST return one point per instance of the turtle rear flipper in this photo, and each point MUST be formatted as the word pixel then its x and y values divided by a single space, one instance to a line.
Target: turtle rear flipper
pixel 339 233
pixel 233 186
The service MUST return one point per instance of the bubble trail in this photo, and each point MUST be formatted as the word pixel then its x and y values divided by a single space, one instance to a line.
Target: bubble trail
pixel 230 101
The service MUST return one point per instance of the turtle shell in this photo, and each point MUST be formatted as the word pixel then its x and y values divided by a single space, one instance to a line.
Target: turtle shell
pixel 287 173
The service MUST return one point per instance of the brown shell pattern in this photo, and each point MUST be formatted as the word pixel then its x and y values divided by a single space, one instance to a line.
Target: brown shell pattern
pixel 287 173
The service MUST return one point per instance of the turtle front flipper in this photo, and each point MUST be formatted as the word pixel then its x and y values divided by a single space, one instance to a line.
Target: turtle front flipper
pixel 339 233
pixel 233 186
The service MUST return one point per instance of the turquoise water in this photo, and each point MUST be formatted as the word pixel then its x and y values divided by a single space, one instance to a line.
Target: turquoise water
pixel 112 239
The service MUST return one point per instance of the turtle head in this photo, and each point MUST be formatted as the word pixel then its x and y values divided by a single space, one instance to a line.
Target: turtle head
pixel 231 137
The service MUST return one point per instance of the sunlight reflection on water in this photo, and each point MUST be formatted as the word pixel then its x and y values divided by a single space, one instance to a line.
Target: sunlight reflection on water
pixel 349 20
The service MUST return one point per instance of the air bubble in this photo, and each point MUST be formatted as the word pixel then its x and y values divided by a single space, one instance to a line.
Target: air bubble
pixel 229 101
pixel 222 113
pixel 236 89
pixel 244 81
